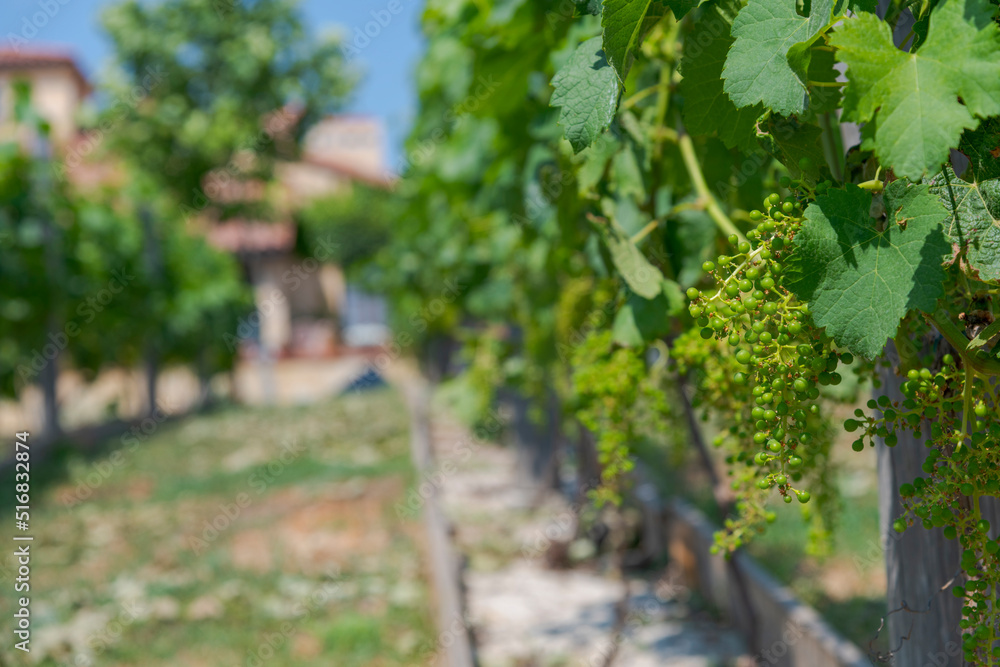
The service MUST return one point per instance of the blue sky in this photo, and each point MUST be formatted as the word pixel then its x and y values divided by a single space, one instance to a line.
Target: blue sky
pixel 386 61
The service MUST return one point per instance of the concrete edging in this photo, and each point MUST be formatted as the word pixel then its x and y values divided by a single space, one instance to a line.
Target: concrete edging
pixel 454 642
pixel 788 632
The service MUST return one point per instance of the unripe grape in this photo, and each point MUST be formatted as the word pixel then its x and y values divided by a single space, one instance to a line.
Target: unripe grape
pixel 693 293
pixel 744 247
pixel 803 496
pixel 899 526
pixel 708 266
pixel 756 215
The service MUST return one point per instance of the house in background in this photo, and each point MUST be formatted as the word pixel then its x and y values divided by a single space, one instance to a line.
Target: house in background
pixel 58 88
pixel 302 302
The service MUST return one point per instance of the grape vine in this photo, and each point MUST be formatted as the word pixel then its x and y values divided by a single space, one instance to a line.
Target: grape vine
pixel 816 190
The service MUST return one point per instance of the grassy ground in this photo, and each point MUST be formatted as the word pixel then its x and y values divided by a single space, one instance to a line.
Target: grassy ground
pixel 245 537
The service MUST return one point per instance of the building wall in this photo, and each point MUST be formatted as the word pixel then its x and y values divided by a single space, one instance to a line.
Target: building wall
pixel 356 142
pixel 55 95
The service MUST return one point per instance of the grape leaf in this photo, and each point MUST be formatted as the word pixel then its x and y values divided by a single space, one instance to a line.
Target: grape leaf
pixel 788 141
pixel 626 22
pixel 974 221
pixel 916 95
pixel 587 89
pixel 982 147
pixel 642 277
pixel 640 320
pixel 769 37
pixel 822 69
pixel 707 108
pixel 622 22
pixel 859 280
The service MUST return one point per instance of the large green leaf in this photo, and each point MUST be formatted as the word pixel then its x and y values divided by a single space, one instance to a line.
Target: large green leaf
pixel 769 37
pixel 974 224
pixel 707 108
pixel 920 116
pixel 859 279
pixel 642 277
pixel 587 89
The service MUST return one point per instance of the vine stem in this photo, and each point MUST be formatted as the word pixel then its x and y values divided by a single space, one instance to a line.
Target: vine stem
pixel 979 362
pixel 721 220
pixel 970 377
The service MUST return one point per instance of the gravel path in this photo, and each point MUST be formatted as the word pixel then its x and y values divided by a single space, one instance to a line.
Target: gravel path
pixel 527 614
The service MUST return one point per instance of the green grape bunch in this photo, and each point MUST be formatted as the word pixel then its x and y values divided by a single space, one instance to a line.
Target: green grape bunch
pixel 779 361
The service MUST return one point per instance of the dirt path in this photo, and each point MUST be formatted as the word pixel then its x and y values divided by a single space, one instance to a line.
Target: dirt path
pixel 524 613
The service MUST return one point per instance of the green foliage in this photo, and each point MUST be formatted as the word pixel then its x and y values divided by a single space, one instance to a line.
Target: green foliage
pixel 707 108
pixel 587 90
pixel 571 214
pixel 212 83
pixel 642 277
pixel 919 114
pixel 974 221
pixel 349 228
pixel 861 276
pixel 771 52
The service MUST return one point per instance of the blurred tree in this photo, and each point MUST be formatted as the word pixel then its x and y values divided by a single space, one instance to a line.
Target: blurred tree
pixel 209 94
pixel 350 227
pixel 207 87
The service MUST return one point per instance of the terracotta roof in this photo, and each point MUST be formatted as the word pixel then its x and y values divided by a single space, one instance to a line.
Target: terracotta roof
pixel 250 237
pixel 32 58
